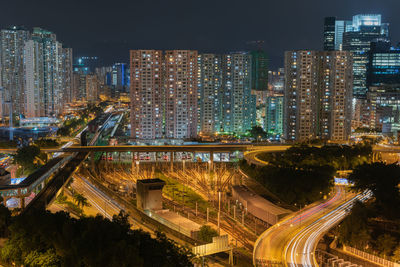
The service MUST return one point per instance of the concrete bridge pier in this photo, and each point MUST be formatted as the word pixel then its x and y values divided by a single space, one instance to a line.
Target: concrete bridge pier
pixel 22 202
pixel 211 162
pixel 172 160
pixel 92 163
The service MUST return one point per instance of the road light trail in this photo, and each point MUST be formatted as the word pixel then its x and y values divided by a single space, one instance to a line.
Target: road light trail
pixel 300 249
pixel 98 199
pixel 293 240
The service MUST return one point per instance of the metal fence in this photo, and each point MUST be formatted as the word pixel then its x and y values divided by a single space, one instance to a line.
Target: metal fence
pixel 370 257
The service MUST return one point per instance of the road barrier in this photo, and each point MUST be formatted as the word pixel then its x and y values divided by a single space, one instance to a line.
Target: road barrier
pixel 370 257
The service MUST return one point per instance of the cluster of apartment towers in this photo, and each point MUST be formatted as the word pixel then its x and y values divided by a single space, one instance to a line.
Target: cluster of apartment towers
pixel 181 94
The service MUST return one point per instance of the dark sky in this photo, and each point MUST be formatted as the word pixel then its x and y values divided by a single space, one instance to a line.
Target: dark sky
pixel 110 28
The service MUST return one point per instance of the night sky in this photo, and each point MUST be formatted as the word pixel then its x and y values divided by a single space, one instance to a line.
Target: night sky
pixel 110 28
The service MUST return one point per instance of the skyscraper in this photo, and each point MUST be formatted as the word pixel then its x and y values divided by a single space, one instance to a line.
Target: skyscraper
pixel 12 70
pixel 365 29
pixel 210 93
pixel 119 79
pixel 181 94
pixel 329 33
pixel 92 86
pixel 147 81
pixel 67 79
pixel 45 73
pixel 341 26
pixel 259 70
pixel 356 36
pixel 383 64
pixel 273 124
pixel 318 88
pixel 239 104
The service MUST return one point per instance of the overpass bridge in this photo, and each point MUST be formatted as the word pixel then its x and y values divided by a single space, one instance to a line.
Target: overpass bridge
pixel 62 167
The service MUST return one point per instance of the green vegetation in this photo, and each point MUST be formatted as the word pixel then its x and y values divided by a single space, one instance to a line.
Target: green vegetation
pixel 339 157
pixel 47 142
pixel 8 144
pixel 366 130
pixel 206 233
pixel 180 192
pixel 41 238
pixel 258 133
pixel 29 158
pixel 374 226
pixel 80 200
pixel 71 206
pixel 294 184
pixel 383 180
pixel 304 174
pixel 71 126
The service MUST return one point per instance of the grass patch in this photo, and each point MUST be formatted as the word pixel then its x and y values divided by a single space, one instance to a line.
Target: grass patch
pixel 180 193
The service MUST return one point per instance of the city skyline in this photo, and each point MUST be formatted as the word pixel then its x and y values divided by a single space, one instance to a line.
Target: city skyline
pixel 112 36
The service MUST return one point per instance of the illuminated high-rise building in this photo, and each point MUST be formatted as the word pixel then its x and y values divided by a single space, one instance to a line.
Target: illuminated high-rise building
pixel 238 102
pixel 12 70
pixel 92 88
pixel 318 89
pixel 46 66
pixel 273 124
pixel 210 93
pixel 383 64
pixel 181 94
pixel 146 91
pixel 329 33
pixel 356 36
pixel 67 78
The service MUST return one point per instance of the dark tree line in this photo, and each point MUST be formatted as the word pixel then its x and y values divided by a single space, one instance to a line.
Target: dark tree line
pixel 340 157
pixel 45 239
pixel 304 174
pixel 375 225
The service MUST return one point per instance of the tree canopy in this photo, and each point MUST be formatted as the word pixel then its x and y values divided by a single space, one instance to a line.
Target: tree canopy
pixel 41 238
pixel 27 156
pixel 374 226
pixel 383 180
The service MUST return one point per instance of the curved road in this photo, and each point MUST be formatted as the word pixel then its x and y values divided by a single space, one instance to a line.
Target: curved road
pixel 292 241
pixel 251 156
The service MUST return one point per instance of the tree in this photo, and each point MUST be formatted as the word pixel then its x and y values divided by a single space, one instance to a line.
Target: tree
pixel 257 132
pixel 80 200
pixel 354 229
pixel 25 156
pixel 383 180
pixel 5 220
pixel 122 219
pixel 42 259
pixel 396 254
pixel 385 244
pixel 206 233
pixel 41 238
